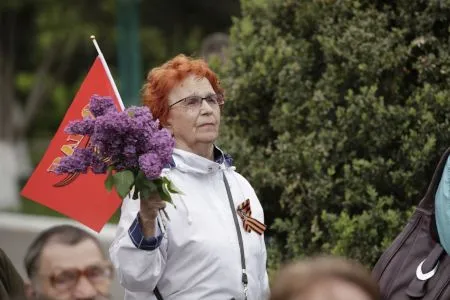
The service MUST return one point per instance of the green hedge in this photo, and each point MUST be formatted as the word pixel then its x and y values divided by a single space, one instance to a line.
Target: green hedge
pixel 337 112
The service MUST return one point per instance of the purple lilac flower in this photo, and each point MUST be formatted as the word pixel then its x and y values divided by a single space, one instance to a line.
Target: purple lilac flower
pixel 140 111
pixel 151 165
pixel 98 165
pixel 119 166
pixel 79 161
pixel 144 144
pixel 83 127
pixel 131 139
pixel 131 163
pixel 109 133
pixel 101 105
pixel 163 143
pixel 129 150
pixel 142 125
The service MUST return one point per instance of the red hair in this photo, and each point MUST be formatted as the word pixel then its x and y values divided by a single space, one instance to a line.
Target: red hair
pixel 162 79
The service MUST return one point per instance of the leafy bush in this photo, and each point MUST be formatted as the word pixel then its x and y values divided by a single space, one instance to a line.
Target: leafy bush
pixel 338 112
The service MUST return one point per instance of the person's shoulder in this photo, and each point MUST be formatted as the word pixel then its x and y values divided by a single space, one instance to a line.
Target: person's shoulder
pixel 242 179
pixel 4 260
pixel 11 283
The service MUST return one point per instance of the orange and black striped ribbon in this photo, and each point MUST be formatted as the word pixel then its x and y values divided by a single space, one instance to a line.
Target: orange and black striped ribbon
pixel 245 212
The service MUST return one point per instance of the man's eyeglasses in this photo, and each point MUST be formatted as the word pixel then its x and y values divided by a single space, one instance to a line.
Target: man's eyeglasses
pixel 195 102
pixel 98 275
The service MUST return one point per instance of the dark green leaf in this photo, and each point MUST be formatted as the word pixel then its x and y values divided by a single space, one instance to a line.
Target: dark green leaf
pixel 140 180
pixel 145 193
pixel 162 193
pixel 173 189
pixel 144 186
pixel 109 181
pixel 165 188
pixel 152 187
pixel 135 193
pixel 123 182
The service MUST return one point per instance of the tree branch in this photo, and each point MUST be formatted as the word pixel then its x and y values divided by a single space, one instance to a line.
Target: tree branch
pixel 7 59
pixel 41 85
pixel 35 97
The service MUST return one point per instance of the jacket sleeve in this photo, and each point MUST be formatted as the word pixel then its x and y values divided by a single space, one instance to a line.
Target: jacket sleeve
pixel 265 277
pixel 139 262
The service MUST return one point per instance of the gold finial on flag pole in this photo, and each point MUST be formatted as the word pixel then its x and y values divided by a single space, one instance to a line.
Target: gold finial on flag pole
pixel 108 72
pixel 96 46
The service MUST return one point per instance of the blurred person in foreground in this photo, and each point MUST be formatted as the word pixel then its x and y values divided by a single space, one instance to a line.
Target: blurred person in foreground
pixel 66 262
pixel 11 284
pixel 212 246
pixel 324 278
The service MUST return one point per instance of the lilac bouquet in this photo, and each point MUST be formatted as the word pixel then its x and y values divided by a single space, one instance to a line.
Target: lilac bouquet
pixel 129 146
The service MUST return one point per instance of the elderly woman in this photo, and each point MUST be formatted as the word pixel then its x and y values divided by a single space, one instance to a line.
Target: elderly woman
pixel 212 247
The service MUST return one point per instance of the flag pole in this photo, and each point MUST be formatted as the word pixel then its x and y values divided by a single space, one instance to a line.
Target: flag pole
pixel 108 72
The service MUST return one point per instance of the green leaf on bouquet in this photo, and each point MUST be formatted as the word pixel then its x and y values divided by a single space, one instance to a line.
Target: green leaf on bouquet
pixel 165 190
pixel 140 177
pixel 162 190
pixel 143 182
pixel 169 186
pixel 173 189
pixel 123 182
pixel 143 186
pixel 148 190
pixel 109 181
pixel 135 194
pixel 163 194
pixel 140 180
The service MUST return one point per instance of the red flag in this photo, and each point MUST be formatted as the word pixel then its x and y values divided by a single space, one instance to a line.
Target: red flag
pixel 84 197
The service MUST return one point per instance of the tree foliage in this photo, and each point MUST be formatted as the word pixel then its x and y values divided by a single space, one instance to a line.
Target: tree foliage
pixel 45 51
pixel 339 111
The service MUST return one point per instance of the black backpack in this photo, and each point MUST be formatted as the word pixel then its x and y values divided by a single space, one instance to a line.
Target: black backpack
pixel 415 266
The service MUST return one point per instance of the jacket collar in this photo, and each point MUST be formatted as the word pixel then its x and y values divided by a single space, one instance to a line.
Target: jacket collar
pixel 190 162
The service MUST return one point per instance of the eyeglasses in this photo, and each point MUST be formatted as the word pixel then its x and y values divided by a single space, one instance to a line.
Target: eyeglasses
pixel 98 275
pixel 195 102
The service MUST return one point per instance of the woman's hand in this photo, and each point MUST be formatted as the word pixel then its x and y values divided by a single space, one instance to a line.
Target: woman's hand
pixel 148 213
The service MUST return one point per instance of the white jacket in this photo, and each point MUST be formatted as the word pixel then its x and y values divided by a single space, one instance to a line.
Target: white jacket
pixel 199 256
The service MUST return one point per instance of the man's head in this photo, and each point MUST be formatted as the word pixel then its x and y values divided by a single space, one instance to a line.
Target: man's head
pixel 324 278
pixel 66 262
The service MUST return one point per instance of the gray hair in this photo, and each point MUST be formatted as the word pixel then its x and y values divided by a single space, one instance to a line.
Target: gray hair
pixel 63 234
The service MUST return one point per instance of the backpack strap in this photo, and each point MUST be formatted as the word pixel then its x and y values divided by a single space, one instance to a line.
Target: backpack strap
pixel 244 277
pixel 427 202
pixel 157 294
